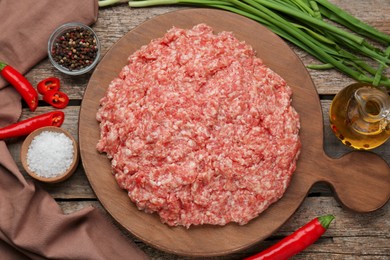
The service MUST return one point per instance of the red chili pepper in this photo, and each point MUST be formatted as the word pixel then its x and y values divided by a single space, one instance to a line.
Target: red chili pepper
pixel 57 99
pixel 21 84
pixel 25 127
pixel 48 84
pixel 297 241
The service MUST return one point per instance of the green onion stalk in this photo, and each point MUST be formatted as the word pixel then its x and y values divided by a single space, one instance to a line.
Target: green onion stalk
pixel 346 46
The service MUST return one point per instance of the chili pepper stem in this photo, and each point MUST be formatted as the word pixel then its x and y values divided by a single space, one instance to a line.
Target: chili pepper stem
pixel 326 220
pixel 2 65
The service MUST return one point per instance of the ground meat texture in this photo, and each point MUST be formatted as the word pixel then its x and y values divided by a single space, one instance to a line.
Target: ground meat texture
pixel 199 130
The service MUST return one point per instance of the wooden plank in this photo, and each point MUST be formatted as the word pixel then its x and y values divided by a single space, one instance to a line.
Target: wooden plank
pixel 116 201
pixel 371 12
pixel 78 186
pixel 114 22
pixel 350 236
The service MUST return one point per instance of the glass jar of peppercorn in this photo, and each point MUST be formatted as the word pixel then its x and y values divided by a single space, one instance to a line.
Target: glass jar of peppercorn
pixel 74 48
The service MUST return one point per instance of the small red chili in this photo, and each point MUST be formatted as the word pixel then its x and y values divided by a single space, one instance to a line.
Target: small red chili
pixel 25 127
pixel 297 241
pixel 57 99
pixel 48 84
pixel 21 84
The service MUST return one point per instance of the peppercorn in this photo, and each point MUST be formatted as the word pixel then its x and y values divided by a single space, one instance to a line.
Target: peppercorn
pixel 75 49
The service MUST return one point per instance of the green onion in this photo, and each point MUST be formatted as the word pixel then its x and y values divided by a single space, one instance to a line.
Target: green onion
pixel 349 21
pixel 304 23
pixel 380 70
pixel 324 66
pixel 103 3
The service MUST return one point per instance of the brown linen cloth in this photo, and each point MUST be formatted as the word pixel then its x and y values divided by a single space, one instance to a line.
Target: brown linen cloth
pixel 32 225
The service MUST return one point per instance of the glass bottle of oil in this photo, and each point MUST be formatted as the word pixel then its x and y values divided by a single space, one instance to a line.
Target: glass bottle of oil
pixel 360 116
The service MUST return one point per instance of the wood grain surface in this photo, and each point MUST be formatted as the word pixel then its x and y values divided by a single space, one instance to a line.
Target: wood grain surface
pixel 355 188
pixel 204 240
pixel 351 236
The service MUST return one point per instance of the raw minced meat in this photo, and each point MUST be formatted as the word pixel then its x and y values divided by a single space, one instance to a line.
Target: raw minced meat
pixel 199 130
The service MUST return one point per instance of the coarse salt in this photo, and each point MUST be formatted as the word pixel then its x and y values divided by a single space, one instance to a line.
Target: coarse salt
pixel 50 154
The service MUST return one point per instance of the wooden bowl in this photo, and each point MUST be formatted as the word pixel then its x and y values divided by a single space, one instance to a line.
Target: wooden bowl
pixel 59 178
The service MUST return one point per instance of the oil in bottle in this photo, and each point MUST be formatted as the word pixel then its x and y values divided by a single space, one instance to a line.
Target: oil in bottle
pixel 359 116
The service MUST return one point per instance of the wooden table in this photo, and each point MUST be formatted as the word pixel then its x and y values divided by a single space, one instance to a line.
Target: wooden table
pixel 351 236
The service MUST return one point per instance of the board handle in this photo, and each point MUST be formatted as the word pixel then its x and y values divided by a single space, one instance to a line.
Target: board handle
pixel 360 180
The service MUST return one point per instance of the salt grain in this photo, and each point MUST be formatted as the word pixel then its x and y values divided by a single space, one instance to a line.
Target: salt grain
pixel 50 154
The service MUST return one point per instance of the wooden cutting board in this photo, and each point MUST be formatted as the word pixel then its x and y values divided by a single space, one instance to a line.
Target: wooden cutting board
pixel 361 180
